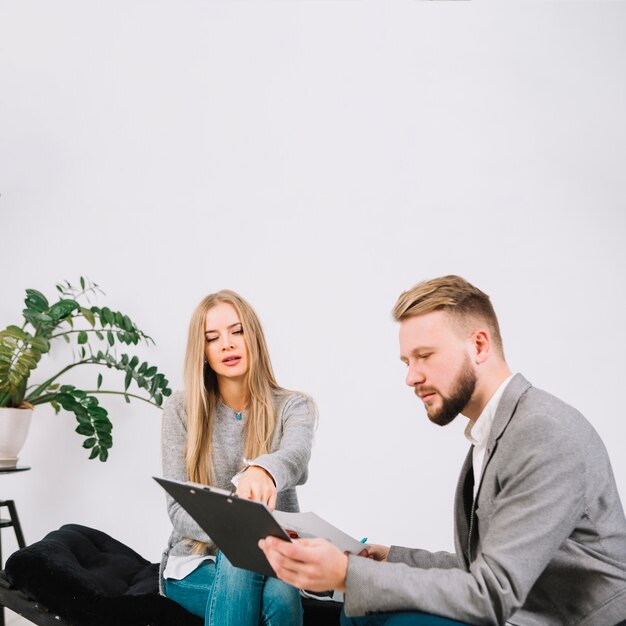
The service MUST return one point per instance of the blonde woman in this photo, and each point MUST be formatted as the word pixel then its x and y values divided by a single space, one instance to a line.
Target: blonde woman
pixel 233 425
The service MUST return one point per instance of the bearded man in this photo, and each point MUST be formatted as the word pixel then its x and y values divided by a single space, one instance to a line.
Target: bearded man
pixel 540 532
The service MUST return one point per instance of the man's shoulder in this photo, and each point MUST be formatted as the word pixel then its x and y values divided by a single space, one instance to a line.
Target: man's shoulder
pixel 541 418
pixel 537 405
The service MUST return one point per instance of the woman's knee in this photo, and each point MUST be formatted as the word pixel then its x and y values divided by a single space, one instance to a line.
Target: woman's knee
pixel 281 604
pixel 231 579
pixel 193 591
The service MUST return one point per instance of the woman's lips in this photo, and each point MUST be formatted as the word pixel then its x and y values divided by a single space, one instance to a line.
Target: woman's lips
pixel 231 360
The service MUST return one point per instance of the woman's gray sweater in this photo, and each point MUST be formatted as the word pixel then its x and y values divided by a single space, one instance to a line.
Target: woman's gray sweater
pixel 287 461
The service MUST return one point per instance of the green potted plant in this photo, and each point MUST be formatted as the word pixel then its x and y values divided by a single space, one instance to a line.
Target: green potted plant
pixel 96 334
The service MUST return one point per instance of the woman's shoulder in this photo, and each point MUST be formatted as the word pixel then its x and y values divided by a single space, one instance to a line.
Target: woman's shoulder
pixel 287 402
pixel 175 403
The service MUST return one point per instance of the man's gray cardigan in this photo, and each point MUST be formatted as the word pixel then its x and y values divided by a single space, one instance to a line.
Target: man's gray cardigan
pixel 543 543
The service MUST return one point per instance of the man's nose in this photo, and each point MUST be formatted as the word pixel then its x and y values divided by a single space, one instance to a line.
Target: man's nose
pixel 415 376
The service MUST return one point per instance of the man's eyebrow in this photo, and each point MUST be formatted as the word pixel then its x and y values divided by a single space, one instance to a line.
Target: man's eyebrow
pixel 206 332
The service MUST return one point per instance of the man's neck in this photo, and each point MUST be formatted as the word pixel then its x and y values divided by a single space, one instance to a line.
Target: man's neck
pixel 487 384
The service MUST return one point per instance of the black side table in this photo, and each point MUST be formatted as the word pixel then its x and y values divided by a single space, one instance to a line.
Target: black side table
pixel 13 520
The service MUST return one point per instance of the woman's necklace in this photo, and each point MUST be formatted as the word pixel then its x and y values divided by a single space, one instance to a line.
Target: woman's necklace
pixel 238 414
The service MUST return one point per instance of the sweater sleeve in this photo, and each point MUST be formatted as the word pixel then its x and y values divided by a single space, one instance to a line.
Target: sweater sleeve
pixel 288 464
pixel 173 445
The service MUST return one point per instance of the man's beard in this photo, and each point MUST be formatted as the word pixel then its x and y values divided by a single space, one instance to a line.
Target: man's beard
pixel 451 406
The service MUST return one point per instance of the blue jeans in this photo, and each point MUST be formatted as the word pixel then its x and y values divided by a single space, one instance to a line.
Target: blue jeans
pixel 228 596
pixel 399 619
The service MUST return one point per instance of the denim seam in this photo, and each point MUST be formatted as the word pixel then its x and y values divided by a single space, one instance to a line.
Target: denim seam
pixel 210 621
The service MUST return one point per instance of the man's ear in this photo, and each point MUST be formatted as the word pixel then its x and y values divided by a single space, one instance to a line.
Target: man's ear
pixel 482 346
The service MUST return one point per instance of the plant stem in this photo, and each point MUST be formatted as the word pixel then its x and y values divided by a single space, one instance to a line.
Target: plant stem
pixel 113 329
pixel 79 330
pixel 43 399
pixel 123 393
pixel 51 396
pixel 48 382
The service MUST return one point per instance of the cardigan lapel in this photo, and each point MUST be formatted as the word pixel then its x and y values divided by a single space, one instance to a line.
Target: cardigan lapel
pixel 516 388
pixel 463 509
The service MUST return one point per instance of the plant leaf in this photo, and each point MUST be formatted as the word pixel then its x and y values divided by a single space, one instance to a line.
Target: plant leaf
pixel 62 309
pixel 40 343
pixel 85 429
pixel 36 301
pixel 106 315
pixel 89 316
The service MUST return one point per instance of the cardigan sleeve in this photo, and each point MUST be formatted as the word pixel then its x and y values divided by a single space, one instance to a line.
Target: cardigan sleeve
pixel 173 445
pixel 415 557
pixel 542 477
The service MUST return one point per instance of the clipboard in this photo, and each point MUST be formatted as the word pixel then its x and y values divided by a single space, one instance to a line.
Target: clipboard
pixel 235 524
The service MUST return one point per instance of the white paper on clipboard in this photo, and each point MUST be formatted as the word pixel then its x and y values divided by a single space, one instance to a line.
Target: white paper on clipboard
pixel 308 525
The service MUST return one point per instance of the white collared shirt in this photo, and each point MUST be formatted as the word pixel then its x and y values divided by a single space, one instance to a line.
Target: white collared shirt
pixel 477 433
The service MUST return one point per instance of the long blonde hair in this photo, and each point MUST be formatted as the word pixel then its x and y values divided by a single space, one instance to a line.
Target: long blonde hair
pixel 202 394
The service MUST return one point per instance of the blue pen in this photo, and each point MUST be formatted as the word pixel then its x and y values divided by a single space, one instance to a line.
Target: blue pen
pixel 363 540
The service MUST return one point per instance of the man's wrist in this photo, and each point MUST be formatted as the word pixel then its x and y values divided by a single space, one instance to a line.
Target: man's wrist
pixel 343 573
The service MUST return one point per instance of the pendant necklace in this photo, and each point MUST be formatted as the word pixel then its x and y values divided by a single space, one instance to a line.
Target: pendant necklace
pixel 238 414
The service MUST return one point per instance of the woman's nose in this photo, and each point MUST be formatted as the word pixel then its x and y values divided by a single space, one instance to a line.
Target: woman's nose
pixel 226 342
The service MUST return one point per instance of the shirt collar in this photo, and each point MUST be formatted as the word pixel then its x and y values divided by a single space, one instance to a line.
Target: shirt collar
pixel 477 432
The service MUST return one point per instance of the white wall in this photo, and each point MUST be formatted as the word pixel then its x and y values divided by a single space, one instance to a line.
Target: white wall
pixel 319 158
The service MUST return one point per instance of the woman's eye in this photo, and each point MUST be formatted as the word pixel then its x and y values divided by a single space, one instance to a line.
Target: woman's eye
pixel 210 339
pixel 238 332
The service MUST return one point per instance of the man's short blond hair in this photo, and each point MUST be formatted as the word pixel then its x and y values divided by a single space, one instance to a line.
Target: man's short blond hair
pixel 453 294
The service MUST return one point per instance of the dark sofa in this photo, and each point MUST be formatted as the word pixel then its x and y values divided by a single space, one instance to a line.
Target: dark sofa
pixel 80 576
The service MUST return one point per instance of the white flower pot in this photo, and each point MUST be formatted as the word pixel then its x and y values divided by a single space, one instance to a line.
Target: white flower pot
pixel 14 425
